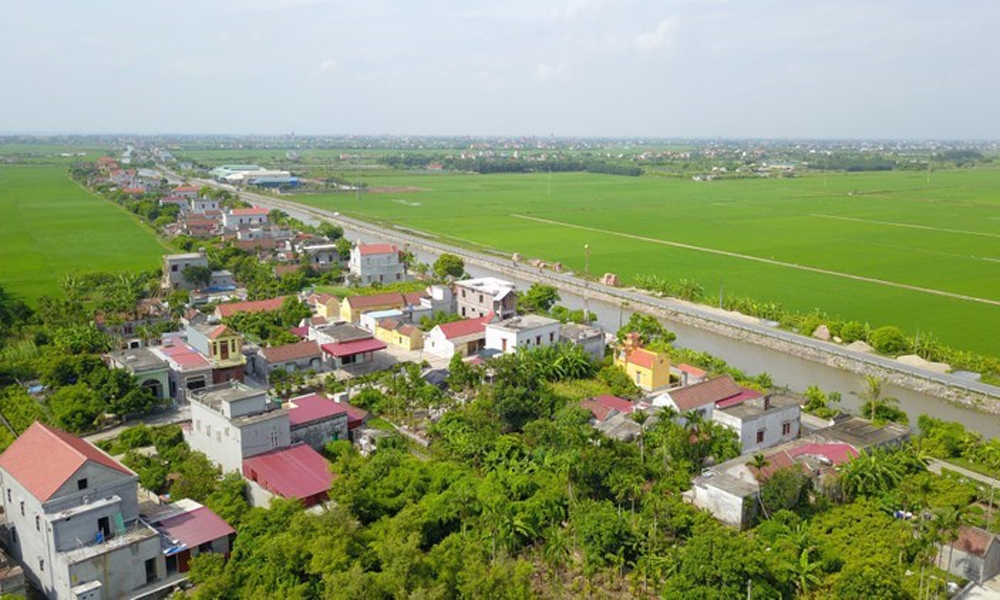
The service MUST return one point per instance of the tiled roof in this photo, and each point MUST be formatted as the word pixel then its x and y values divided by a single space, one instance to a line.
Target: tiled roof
pixel 249 212
pixel 392 298
pixel 643 358
pixel 685 368
pixel 44 458
pixel 620 404
pixel 186 188
pixel 704 393
pixel 775 462
pixel 836 453
pixel 296 351
pixel 369 249
pixel 294 472
pixel 230 309
pixel 220 331
pixel 600 411
pixel 195 527
pixel 313 407
pixel 457 329
pixel 354 347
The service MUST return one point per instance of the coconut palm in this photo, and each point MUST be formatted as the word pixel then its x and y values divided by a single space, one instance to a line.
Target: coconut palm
pixel 758 463
pixel 640 417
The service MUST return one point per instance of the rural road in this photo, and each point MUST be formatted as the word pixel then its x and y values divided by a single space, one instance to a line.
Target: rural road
pixel 635 300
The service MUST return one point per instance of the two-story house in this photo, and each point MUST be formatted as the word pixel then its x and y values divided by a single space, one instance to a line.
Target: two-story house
pixel 528 331
pixel 649 370
pixel 173 269
pixel 72 518
pixel 245 217
pixel 479 297
pixel 376 263
pixel 223 347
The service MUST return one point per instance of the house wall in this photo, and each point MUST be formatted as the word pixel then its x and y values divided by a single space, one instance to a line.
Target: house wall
pixel 27 545
pixel 535 337
pixel 160 376
pixel 318 433
pixel 353 315
pixel 770 422
pixel 212 434
pixel 180 382
pixel 173 271
pixel 382 268
pixel 728 508
pixel 120 570
pixel 330 310
pixel 264 368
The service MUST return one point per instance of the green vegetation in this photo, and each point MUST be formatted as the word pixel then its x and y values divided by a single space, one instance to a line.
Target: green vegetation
pixel 52 227
pixel 892 226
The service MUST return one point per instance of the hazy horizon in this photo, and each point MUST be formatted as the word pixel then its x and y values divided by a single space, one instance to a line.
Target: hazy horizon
pixel 768 69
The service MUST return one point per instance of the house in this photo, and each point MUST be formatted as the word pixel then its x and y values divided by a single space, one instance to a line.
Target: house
pixel 300 356
pixel 370 320
pixel 731 490
pixel 704 397
pixel 376 263
pixel 973 555
pixel 238 218
pixel 479 297
pixel 464 338
pixel 321 256
pixel 179 201
pixel 149 370
pixel 527 331
pixel 189 192
pixel 400 334
pixel 133 327
pixel 232 422
pixel 221 281
pixel 346 345
pixel 71 518
pixel 352 307
pixel 295 471
pixel 189 369
pixel 173 269
pixel 605 407
pixel 197 226
pixel 229 309
pixel 762 422
pixel 223 347
pixel 204 204
pixel 316 420
pixel 649 370
pixel 591 339
pixel 862 433
pixel 324 305
pixel 690 375
pixel 189 529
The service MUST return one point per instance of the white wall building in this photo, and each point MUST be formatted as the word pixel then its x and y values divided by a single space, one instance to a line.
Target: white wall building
pixel 233 422
pixel 762 422
pixel 173 269
pixel 460 337
pixel 484 295
pixel 528 331
pixel 245 217
pixel 376 263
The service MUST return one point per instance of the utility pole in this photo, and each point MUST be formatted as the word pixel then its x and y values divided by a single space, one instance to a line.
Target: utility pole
pixel 586 284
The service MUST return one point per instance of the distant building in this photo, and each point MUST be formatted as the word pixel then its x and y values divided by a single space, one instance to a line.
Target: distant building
pixel 150 371
pixel 245 217
pixel 464 338
pixel 173 269
pixel 527 331
pixel 591 339
pixel 223 347
pixel 376 263
pixel 649 370
pixel 477 298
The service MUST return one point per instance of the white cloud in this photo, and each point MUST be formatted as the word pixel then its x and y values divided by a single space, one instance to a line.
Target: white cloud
pixel 327 65
pixel 660 37
pixel 546 72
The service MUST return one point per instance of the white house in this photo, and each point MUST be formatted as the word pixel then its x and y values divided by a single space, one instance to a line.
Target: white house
pixel 204 204
pixel 245 217
pixel 376 263
pixel 762 422
pixel 528 331
pixel 484 295
pixel 459 337
pixel 233 422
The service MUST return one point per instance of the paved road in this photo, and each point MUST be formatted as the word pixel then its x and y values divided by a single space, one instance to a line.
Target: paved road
pixel 635 300
pixel 177 415
pixel 935 466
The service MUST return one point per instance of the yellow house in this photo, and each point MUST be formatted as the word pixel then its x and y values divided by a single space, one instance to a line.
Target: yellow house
pixel 648 370
pixel 324 305
pixel 352 307
pixel 402 335
pixel 225 347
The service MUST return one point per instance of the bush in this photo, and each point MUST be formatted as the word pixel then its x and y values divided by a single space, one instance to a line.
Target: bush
pixel 890 340
pixel 853 331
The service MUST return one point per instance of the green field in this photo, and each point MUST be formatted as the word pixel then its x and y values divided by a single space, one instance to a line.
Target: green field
pixel 896 228
pixel 51 227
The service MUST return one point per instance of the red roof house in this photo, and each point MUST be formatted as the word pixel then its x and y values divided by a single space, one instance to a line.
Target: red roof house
pixel 293 472
pixel 229 309
pixel 44 458
pixel 370 249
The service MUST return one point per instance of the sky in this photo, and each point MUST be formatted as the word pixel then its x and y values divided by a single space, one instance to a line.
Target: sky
pixel 902 69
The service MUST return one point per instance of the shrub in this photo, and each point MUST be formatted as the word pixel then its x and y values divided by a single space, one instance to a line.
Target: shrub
pixel 889 340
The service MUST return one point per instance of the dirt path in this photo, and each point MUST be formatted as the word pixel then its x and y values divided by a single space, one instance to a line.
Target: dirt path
pixel 906 225
pixel 769 261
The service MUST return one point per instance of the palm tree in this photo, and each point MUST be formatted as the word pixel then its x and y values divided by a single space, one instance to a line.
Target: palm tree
pixel 873 393
pixel 640 417
pixel 948 522
pixel 870 473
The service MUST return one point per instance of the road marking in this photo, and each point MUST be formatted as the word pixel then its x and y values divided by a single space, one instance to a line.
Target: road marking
pixel 906 225
pixel 769 261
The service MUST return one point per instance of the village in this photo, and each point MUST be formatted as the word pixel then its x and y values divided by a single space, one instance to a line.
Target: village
pixel 316 341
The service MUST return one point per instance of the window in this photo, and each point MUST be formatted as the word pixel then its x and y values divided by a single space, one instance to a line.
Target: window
pixel 38 523
pixel 173 268
pixel 274 438
pixel 41 564
pixel 760 436
pixel 208 430
pixel 786 428
pixel 22 508
pixel 480 298
pixel 81 484
pixel 638 378
pixel 9 499
pixel 538 340
pixel 552 337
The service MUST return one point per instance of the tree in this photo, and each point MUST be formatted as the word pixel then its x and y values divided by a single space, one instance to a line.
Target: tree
pixel 640 417
pixel 758 464
pixel 805 572
pixel 880 409
pixel 75 408
pixel 344 247
pixel 650 329
pixel 539 298
pixel 449 265
pixel 870 580
pixel 785 489
pixel 871 473
pixel 197 275
pixel 890 340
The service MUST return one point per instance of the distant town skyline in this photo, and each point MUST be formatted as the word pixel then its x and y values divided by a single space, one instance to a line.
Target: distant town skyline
pixel 774 69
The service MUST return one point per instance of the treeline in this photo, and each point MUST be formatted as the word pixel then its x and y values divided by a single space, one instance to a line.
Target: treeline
pixel 509 165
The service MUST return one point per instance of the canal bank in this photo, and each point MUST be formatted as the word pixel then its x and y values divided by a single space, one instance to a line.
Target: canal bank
pixel 791 360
